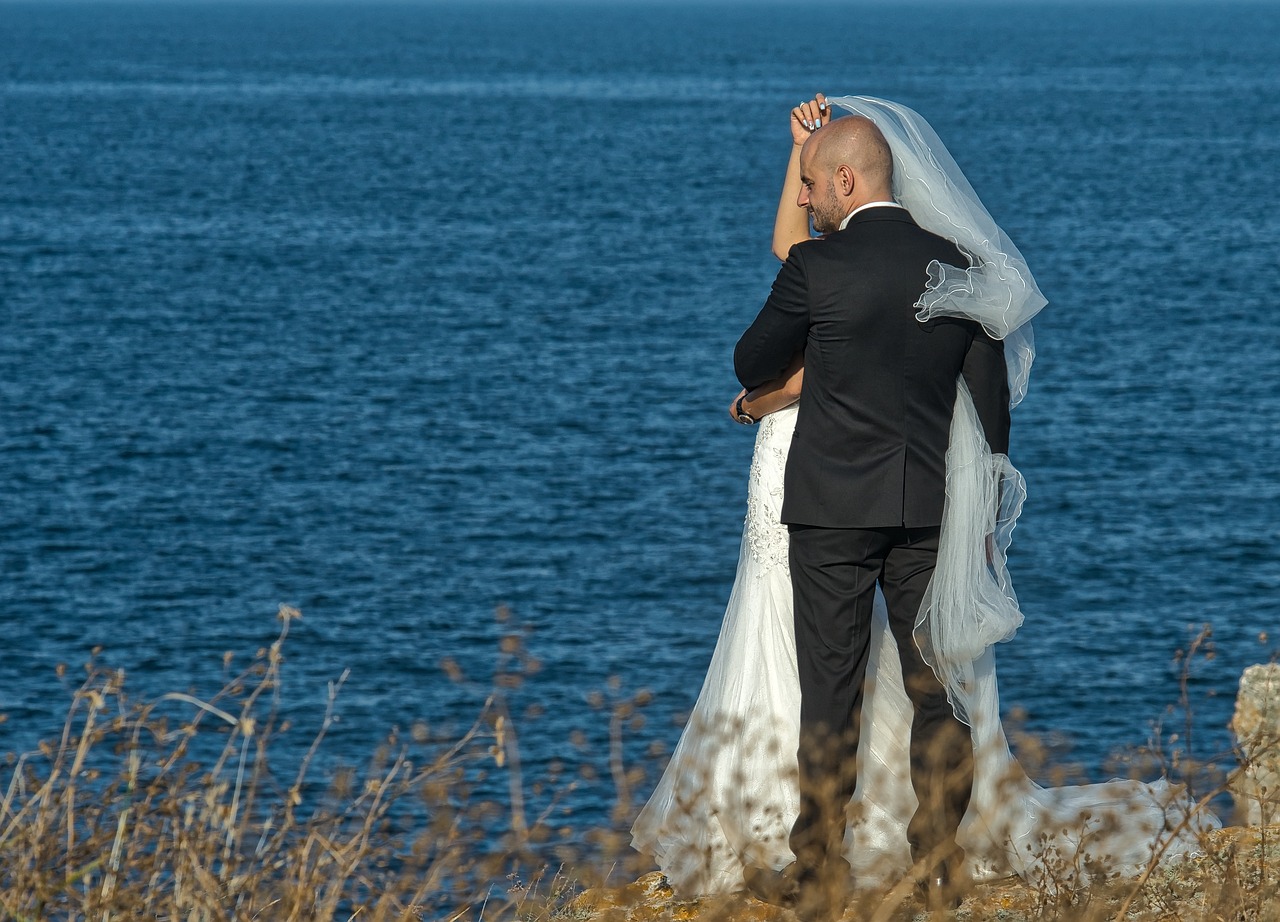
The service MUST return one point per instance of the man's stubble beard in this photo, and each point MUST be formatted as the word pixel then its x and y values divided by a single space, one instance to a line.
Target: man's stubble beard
pixel 827 218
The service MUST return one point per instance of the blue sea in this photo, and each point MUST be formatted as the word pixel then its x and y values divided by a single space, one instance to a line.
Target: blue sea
pixel 406 314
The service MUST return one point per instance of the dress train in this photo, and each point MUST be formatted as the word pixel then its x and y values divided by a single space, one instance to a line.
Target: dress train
pixel 729 794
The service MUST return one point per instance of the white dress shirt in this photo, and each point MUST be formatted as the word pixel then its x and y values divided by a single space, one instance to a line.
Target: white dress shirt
pixel 849 216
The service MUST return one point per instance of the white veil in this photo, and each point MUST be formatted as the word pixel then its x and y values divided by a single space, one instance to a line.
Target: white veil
pixel 970 604
pixel 997 290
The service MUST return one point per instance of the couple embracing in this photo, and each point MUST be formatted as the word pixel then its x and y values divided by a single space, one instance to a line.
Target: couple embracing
pixel 848 730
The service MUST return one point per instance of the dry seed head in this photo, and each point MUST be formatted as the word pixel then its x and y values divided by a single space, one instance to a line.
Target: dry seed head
pixel 96 700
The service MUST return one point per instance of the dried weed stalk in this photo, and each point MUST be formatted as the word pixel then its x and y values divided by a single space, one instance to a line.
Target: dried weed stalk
pixel 119 819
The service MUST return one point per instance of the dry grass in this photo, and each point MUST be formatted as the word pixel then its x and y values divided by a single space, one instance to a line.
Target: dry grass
pixel 172 810
pixel 1234 878
pixel 132 814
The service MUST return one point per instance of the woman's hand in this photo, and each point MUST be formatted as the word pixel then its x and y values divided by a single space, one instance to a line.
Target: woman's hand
pixel 772 395
pixel 808 117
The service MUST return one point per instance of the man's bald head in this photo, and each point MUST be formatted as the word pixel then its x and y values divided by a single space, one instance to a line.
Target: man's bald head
pixel 844 165
pixel 855 142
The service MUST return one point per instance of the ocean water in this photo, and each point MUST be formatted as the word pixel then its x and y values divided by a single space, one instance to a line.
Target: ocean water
pixel 400 314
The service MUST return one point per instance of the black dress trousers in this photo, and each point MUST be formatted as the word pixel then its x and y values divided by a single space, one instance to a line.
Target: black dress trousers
pixel 834 572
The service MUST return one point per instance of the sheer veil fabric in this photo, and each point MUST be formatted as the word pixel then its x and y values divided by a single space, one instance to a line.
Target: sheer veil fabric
pixel 729 794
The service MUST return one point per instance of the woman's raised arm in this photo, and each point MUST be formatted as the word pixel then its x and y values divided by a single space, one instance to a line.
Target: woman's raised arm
pixel 792 222
pixel 789 228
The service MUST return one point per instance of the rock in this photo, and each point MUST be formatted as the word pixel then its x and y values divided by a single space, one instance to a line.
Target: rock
pixel 604 902
pixel 655 887
pixel 1256 724
pixel 651 899
pixel 1236 878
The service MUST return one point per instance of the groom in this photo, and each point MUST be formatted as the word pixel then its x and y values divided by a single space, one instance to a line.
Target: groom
pixel 865 486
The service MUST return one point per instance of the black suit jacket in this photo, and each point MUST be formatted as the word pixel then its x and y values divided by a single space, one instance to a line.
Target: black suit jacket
pixel 871 436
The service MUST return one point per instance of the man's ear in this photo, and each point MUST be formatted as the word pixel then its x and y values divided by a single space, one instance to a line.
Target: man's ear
pixel 844 179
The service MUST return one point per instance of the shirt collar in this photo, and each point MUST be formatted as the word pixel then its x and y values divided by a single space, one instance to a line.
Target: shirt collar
pixel 849 216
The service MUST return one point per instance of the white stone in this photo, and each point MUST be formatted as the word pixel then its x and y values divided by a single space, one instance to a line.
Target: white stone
pixel 1256 785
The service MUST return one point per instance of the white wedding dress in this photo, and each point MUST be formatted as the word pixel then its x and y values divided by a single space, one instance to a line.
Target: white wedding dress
pixel 729 795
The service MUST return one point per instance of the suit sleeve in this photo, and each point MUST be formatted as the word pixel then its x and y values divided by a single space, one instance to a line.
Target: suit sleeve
pixel 779 331
pixel 988 379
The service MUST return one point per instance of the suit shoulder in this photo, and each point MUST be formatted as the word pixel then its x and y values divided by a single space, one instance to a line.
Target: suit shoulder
pixel 826 245
pixel 812 251
pixel 923 244
pixel 803 246
pixel 953 253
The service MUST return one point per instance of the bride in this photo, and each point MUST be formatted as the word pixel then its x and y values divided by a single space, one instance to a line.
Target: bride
pixel 729 795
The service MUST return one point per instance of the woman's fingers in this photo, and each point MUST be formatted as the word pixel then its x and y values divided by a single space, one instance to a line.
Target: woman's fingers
pixel 809 112
pixel 799 124
pixel 808 117
pixel 812 114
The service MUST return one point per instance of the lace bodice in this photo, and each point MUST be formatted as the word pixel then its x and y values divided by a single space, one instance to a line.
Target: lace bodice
pixel 766 535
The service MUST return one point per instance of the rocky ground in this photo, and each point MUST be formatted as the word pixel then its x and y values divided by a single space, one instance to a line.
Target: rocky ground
pixel 1236 880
